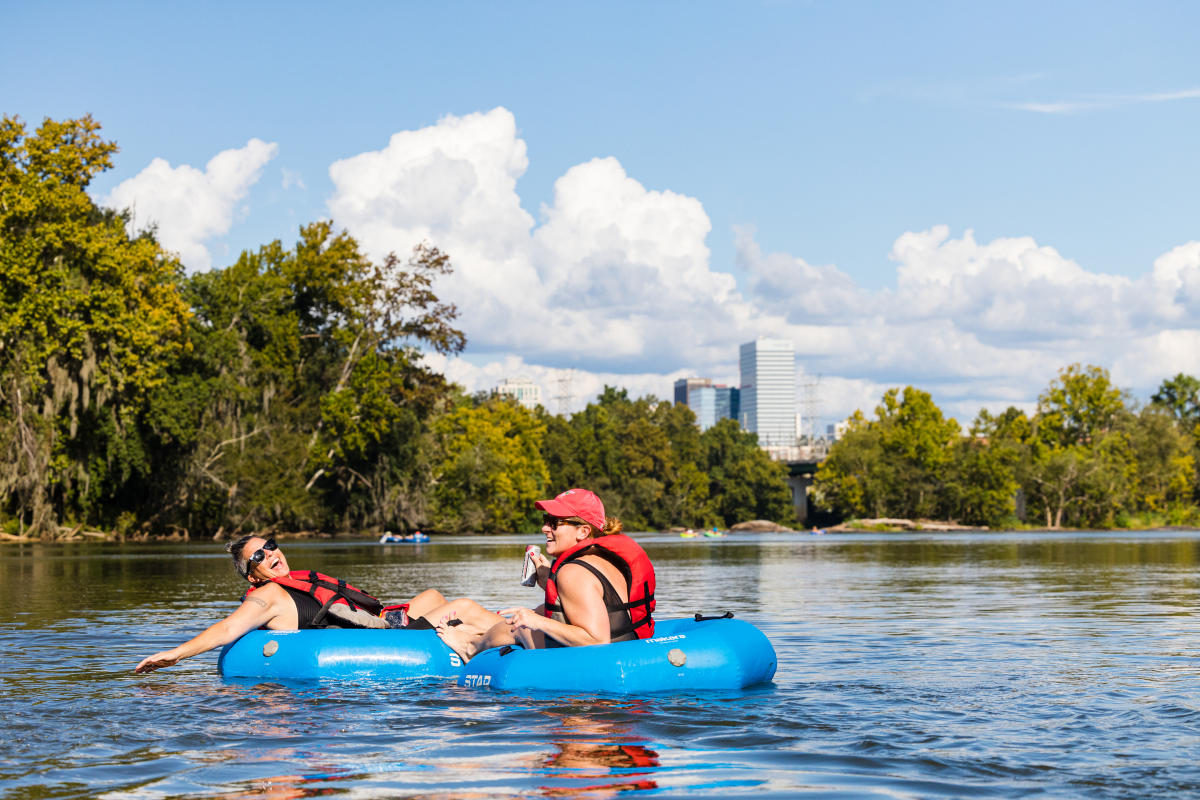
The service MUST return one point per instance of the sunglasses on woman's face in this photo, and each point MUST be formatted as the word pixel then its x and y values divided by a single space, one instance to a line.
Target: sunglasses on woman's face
pixel 553 522
pixel 260 554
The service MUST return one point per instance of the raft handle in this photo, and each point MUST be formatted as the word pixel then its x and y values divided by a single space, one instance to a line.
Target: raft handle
pixel 701 618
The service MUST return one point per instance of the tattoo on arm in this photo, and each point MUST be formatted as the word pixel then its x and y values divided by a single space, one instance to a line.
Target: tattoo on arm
pixel 258 600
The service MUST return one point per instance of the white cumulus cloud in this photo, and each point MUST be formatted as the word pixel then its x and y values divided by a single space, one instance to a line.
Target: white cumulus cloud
pixel 985 324
pixel 614 281
pixel 616 276
pixel 190 206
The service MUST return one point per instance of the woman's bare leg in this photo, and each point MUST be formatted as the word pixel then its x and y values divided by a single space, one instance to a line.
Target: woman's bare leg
pixel 425 602
pixel 469 613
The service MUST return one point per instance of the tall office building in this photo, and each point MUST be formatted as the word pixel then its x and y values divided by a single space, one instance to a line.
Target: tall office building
pixel 523 390
pixel 768 391
pixel 685 386
pixel 727 402
pixel 708 401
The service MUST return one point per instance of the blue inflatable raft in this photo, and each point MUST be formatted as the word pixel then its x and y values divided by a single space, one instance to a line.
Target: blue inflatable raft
pixel 684 655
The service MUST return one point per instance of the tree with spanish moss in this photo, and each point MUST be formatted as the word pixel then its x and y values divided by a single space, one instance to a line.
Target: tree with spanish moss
pixel 90 317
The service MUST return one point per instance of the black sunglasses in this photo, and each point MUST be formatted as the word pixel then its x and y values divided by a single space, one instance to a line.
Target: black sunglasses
pixel 552 522
pixel 260 554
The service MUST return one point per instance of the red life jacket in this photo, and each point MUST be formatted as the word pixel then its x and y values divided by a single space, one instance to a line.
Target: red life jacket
pixel 627 556
pixel 328 591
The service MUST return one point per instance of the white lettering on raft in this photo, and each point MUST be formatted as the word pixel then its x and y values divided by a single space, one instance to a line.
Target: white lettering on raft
pixel 475 681
pixel 674 638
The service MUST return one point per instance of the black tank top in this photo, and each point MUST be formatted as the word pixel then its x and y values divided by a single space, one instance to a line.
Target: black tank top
pixel 307 607
pixel 620 626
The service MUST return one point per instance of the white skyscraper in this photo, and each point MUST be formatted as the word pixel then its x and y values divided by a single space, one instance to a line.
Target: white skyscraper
pixel 768 391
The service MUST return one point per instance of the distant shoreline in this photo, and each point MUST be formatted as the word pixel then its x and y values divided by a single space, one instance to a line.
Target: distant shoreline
pixel 878 525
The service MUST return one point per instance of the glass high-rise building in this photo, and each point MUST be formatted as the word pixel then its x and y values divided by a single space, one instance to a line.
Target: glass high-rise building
pixel 768 391
pixel 708 401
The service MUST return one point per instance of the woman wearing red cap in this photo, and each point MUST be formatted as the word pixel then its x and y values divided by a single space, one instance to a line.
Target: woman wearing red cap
pixel 599 588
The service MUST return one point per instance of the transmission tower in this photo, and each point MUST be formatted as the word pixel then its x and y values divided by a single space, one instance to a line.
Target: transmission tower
pixel 810 407
pixel 564 396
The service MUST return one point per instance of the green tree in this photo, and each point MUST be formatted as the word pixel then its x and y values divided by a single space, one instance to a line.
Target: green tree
pixel 983 480
pixel 1165 456
pixel 313 402
pixel 744 483
pixel 853 480
pixel 685 493
pixel 1181 397
pixel 491 469
pixel 1079 405
pixel 916 440
pixel 895 465
pixel 1081 467
pixel 89 319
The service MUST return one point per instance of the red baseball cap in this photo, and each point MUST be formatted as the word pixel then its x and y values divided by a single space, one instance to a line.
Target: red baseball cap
pixel 576 503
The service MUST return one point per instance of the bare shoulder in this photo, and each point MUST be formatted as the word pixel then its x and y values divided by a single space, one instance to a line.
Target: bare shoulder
pixel 267 594
pixel 575 575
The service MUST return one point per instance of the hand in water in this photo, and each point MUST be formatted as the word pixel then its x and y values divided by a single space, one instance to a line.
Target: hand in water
pixel 156 661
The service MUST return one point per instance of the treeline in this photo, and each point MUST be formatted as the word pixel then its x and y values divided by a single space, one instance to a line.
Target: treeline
pixel 286 391
pixel 1087 457
pixel 646 459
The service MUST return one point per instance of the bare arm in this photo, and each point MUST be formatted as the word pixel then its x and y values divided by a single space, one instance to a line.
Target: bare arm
pixel 255 612
pixel 582 599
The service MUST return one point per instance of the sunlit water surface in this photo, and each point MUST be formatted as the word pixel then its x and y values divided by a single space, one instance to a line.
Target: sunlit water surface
pixel 910 666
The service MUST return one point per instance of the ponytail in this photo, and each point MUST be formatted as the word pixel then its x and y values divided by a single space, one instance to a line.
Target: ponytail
pixel 612 526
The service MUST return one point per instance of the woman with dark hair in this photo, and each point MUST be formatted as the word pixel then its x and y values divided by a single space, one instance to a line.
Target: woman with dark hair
pixel 599 588
pixel 284 600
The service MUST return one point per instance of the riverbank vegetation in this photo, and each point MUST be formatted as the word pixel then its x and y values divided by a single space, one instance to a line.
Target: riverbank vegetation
pixel 1087 457
pixel 286 391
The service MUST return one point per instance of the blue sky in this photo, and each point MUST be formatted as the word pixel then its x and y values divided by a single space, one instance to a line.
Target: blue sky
pixel 964 197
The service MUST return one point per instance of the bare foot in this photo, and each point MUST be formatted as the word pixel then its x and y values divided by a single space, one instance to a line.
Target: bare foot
pixel 458 637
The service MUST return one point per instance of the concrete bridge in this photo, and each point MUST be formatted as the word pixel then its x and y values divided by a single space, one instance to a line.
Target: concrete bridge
pixel 800 477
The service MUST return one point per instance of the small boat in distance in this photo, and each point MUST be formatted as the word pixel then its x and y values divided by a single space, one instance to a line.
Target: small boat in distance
pixel 416 537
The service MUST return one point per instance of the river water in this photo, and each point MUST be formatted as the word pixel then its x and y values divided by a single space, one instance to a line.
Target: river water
pixel 910 666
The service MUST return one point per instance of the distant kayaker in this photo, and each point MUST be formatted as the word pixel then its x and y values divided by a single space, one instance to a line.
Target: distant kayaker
pixel 599 588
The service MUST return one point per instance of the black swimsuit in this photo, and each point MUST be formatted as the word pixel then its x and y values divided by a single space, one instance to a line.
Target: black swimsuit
pixel 307 607
pixel 620 626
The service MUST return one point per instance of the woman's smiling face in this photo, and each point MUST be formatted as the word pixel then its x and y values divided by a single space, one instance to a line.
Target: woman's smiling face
pixel 273 565
pixel 562 535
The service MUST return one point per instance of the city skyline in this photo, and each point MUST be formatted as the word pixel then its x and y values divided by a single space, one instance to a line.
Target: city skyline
pixel 965 198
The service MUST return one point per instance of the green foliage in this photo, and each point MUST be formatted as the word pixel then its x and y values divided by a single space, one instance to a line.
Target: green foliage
pixel 654 469
pixel 1165 455
pixel 744 483
pixel 89 319
pixel 1080 405
pixel 897 464
pixel 853 479
pixel 916 441
pixel 1081 467
pixel 313 405
pixel 1180 396
pixel 491 469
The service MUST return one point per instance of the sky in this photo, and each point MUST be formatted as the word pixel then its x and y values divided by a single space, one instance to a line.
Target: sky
pixel 961 197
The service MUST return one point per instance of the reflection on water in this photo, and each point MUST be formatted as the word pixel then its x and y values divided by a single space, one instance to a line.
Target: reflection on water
pixel 910 666
pixel 603 756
